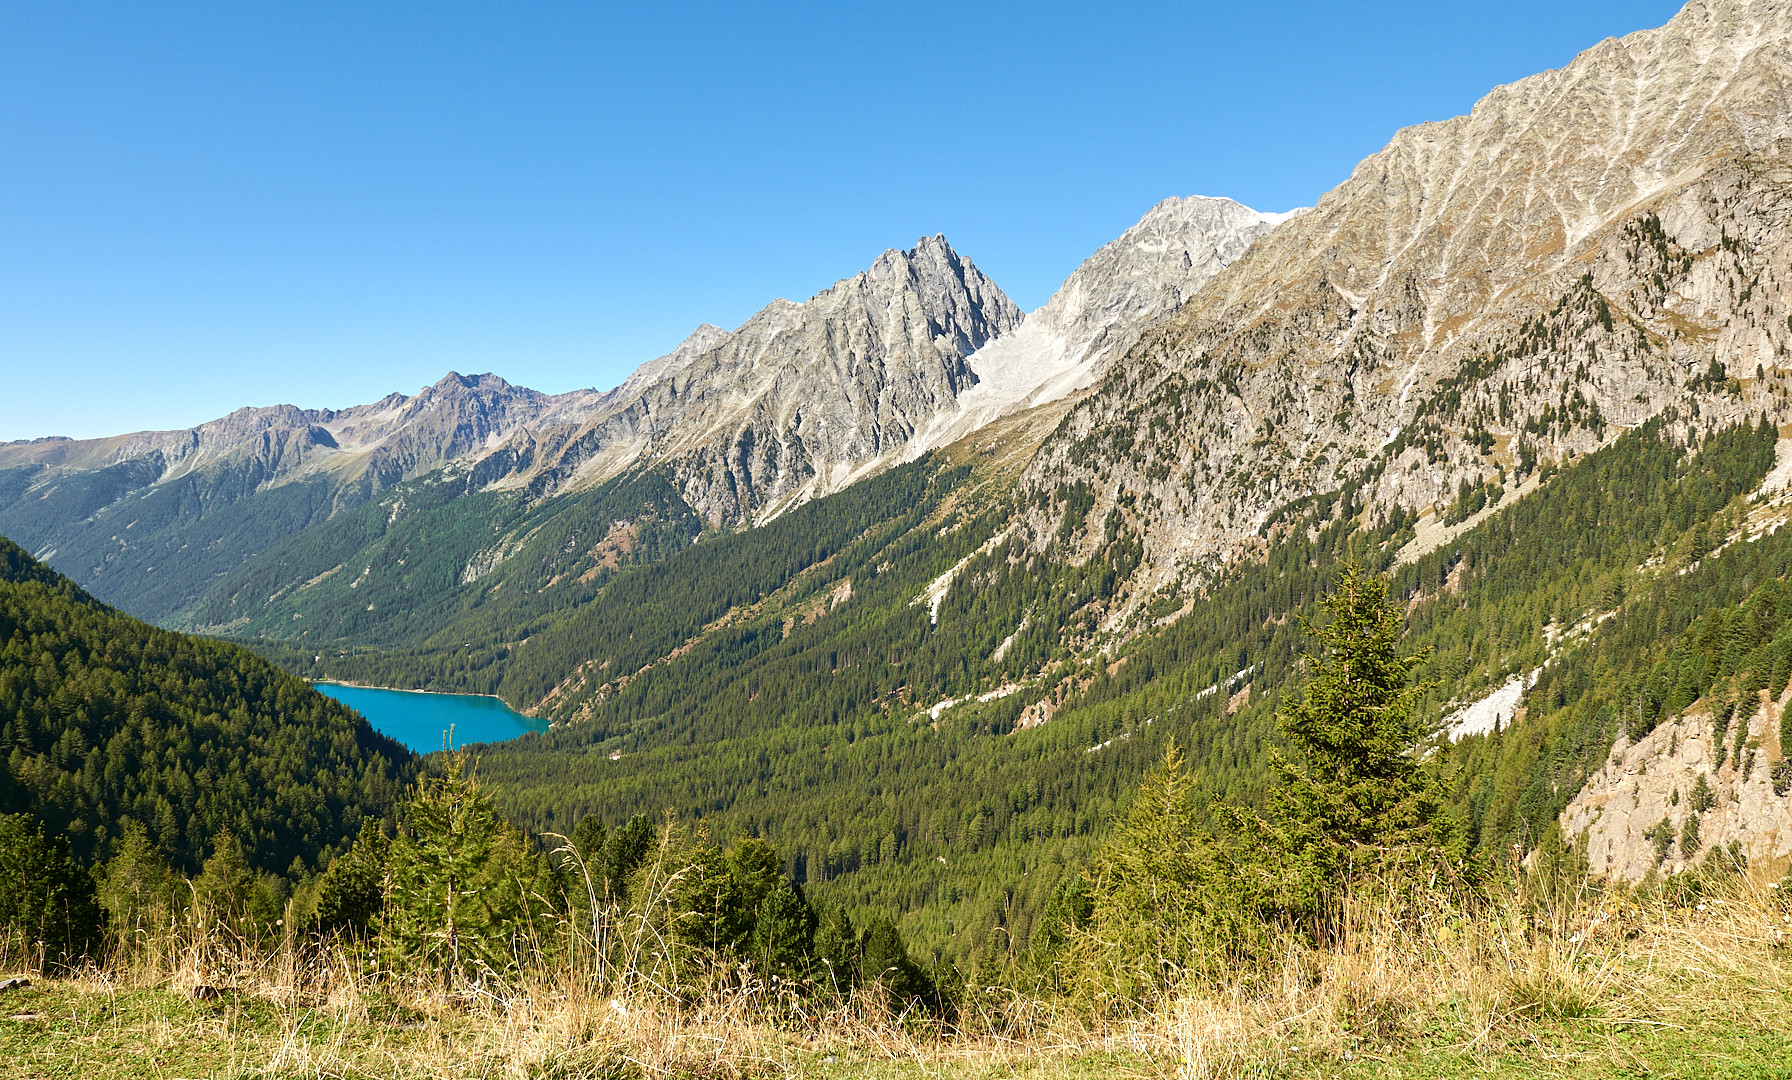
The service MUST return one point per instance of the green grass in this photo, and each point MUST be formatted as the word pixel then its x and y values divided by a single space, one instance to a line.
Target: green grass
pixel 1724 1029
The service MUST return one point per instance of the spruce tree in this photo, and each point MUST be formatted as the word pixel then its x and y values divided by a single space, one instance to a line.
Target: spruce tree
pixel 350 894
pixel 1353 800
pixel 46 898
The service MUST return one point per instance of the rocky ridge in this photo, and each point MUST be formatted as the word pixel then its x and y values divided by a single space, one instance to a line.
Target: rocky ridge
pixel 1101 310
pixel 1506 287
pixel 796 403
pixel 394 438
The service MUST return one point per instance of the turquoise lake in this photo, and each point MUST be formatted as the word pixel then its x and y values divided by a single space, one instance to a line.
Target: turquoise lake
pixel 422 721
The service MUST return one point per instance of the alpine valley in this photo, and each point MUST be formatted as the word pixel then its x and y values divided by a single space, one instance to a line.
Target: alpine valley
pixel 916 586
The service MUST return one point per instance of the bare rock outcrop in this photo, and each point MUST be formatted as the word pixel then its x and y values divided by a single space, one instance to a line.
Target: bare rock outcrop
pixel 1633 812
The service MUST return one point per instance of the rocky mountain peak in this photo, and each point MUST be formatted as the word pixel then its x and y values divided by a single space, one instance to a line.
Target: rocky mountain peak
pixel 799 400
pixel 1375 339
pixel 1101 309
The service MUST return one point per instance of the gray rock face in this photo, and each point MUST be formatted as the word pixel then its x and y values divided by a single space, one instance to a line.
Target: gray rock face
pixel 799 401
pixel 1561 262
pixel 1101 310
pixel 1648 782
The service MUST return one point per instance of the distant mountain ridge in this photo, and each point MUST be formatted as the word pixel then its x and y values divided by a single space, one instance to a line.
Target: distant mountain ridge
pixel 796 403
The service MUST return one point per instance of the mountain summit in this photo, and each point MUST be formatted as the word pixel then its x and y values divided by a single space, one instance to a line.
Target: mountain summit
pixel 797 402
pixel 1506 287
pixel 1101 309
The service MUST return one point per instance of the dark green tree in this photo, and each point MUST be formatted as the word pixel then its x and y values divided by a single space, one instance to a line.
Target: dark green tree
pixel 783 941
pixel 884 963
pixel 465 888
pixel 1353 799
pixel 624 852
pixel 351 892
pixel 588 838
pixel 46 899
pixel 836 952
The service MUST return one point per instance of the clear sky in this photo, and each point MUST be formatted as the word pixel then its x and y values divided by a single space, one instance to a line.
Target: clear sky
pixel 204 206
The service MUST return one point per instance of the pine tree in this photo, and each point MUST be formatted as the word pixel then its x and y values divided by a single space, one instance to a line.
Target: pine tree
pixel 589 837
pixel 46 898
pixel 783 941
pixel 624 852
pixel 836 951
pixel 884 962
pixel 226 896
pixel 137 890
pixel 351 892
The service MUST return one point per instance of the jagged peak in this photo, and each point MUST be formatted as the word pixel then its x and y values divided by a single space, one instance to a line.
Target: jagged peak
pixel 454 380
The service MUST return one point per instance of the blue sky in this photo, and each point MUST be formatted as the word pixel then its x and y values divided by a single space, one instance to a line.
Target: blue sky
pixel 208 206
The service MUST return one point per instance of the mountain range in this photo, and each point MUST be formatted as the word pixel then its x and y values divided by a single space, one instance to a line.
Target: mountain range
pixel 796 403
pixel 915 584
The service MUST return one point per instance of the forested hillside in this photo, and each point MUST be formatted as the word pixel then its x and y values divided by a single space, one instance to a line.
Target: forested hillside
pixel 823 737
pixel 108 722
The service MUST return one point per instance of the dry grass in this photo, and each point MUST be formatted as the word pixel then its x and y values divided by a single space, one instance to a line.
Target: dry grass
pixel 1593 986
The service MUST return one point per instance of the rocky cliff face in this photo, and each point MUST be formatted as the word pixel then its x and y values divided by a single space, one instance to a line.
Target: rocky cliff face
pixel 796 403
pixel 1634 812
pixel 1508 286
pixel 1100 311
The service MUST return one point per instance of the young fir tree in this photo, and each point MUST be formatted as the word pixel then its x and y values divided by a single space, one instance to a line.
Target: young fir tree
pixel 464 886
pixel 137 891
pixel 350 893
pixel 46 898
pixel 1353 801
pixel 231 898
pixel 1165 898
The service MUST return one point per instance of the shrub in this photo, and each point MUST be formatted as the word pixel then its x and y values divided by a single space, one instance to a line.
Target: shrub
pixel 1689 836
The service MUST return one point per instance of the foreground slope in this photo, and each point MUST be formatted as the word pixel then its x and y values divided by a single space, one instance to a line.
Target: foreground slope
pixel 108 721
